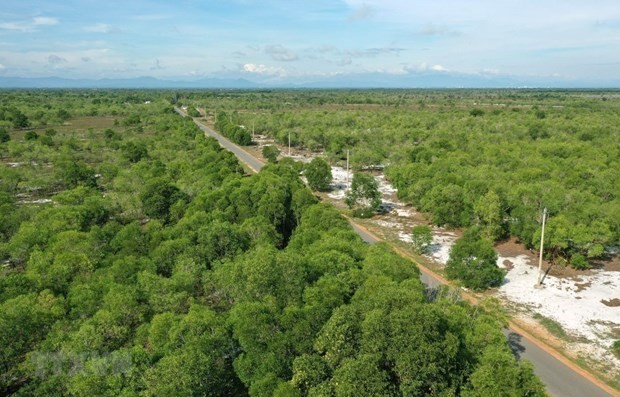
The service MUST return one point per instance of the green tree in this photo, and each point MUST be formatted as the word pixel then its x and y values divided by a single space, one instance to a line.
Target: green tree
pixel 499 375
pixel 31 135
pixel 193 112
pixel 4 135
pixel 319 174
pixel 473 261
pixel 271 153
pixel 158 196
pixel 77 173
pixel 421 237
pixel 364 192
pixel 489 214
pixel 135 151
pixel 362 376
pixel 447 205
pixel 19 119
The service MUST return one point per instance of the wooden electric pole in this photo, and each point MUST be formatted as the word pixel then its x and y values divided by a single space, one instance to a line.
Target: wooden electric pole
pixel 542 242
pixel 347 183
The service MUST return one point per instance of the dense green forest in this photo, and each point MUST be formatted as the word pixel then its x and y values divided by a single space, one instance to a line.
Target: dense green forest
pixel 487 158
pixel 139 260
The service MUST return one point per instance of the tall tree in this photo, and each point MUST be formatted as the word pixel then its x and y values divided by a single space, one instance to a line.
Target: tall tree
pixel 319 174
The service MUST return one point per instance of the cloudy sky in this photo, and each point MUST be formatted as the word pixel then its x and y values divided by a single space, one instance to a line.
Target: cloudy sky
pixel 293 40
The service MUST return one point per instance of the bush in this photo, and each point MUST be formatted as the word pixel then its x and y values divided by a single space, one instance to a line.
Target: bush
pixel 158 196
pixel 271 153
pixel 31 136
pixel 4 135
pixel 193 112
pixel 422 237
pixel 473 261
pixel 135 151
pixel 615 348
pixel 362 213
pixel 579 262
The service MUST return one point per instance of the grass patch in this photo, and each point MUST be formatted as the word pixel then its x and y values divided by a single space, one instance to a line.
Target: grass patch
pixel 615 348
pixel 552 326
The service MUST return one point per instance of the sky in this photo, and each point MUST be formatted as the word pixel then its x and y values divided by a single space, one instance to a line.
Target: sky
pixel 295 40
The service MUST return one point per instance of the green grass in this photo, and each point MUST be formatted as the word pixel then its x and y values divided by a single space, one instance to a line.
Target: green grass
pixel 552 326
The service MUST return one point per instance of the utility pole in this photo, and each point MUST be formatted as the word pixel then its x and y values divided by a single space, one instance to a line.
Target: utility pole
pixel 215 117
pixel 289 144
pixel 542 241
pixel 347 183
pixel 252 130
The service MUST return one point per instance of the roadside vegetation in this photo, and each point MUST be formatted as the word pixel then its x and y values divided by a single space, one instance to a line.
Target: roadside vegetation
pixel 487 158
pixel 138 260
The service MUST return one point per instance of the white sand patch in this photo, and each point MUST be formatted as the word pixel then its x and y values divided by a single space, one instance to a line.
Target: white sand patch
pixel 336 195
pixel 405 237
pixel 441 245
pixel 339 183
pixel 297 157
pixel 385 187
pixel 39 201
pixel 388 224
pixel 574 303
pixel 405 212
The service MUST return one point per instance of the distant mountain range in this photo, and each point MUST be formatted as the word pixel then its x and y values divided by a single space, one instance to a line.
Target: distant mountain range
pixel 362 80
pixel 137 82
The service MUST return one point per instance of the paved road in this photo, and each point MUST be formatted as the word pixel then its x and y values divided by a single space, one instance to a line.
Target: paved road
pixel 249 160
pixel 560 379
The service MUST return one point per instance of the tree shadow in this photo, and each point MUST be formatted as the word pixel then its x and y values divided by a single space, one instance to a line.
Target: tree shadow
pixel 514 342
pixel 544 276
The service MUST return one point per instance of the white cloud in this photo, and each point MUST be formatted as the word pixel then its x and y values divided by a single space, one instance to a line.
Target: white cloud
pixel 363 12
pixel 44 21
pixel 280 53
pixel 490 71
pixel 439 68
pixel 425 67
pixel 437 30
pixel 263 70
pixel 99 28
pixel 29 25
pixel 2 68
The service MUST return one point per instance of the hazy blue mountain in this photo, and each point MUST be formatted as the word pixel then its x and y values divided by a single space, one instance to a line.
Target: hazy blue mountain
pixel 138 82
pixel 365 80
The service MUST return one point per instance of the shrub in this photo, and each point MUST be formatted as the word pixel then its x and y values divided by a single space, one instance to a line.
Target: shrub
pixel 4 135
pixel 31 136
pixel 615 348
pixel 579 262
pixel 271 153
pixel 422 237
pixel 473 261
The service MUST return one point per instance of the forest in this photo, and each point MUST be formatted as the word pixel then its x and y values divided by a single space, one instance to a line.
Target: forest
pixel 493 159
pixel 139 259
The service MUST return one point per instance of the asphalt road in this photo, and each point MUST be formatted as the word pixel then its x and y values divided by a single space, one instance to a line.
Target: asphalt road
pixel 560 379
